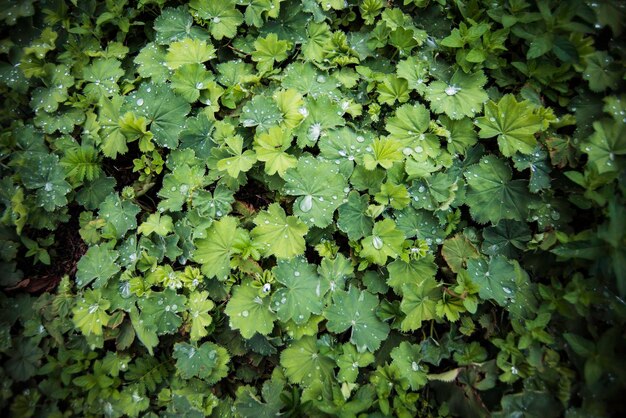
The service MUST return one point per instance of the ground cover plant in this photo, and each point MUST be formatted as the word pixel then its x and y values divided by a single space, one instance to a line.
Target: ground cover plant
pixel 352 208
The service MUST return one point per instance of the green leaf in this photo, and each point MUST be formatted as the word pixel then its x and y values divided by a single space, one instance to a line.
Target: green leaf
pixel 214 251
pixel 495 279
pixel 302 293
pixel 240 161
pixel 102 76
pixel 248 312
pixel 393 89
pixel 271 147
pixel 82 163
pixel 457 251
pixel 462 96
pixel 606 146
pixel 355 309
pixel 97 263
pixel 394 195
pixel 174 25
pixel 506 238
pixel 352 218
pixel 350 361
pixel 408 125
pixel 222 17
pixel 199 306
pixel 492 195
pixel 460 134
pixel 419 302
pixel 414 271
pixel 190 80
pixel 159 311
pixel 537 163
pixel 262 112
pixel 208 362
pixel 602 72
pixel 160 225
pixel 89 314
pixel 304 363
pixel 514 123
pixel 151 63
pixel 113 141
pixel 269 50
pixel 120 215
pixel 385 152
pixel 385 241
pixel 165 111
pixel 279 234
pixel 45 174
pixel 407 357
pixel 188 51
pixel 320 187
pixel 180 186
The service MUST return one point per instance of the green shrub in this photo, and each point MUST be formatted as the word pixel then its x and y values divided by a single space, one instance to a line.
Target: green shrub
pixel 312 208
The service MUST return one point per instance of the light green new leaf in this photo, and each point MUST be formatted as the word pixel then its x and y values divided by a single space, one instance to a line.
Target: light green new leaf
pixel 492 195
pixel 269 50
pixel 113 141
pixel 222 17
pixel 89 314
pixel 279 234
pixel 160 225
pixel 214 251
pixel 385 241
pixel 199 306
pixel 462 96
pixel 514 123
pixel 248 312
pixel 419 301
pixel 188 51
pixel 304 364
pixel 240 162
pixel 320 187
pixel 270 148
pixel 97 263
pixel 302 293
pixel 385 152
pixel 355 309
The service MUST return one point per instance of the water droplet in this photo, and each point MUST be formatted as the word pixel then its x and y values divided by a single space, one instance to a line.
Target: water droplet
pixel 139 102
pixel 245 314
pixel 452 90
pixel 306 204
pixel 377 242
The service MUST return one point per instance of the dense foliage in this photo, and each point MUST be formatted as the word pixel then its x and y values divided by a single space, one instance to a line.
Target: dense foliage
pixel 312 208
